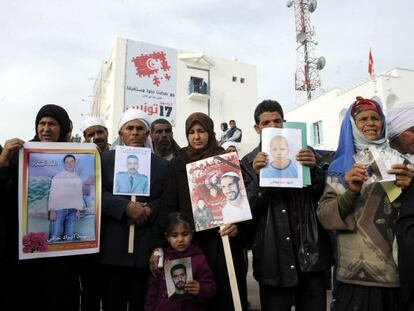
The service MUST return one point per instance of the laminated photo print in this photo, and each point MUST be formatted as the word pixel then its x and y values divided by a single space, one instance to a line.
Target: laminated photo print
pixel 59 199
pixel 177 272
pixel 132 172
pixel 282 170
pixel 217 191
pixel 377 162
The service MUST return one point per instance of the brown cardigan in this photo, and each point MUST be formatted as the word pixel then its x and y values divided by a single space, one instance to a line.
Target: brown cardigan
pixel 364 237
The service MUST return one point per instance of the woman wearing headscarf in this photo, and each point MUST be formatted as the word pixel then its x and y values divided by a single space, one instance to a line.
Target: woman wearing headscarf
pixel 202 144
pixel 47 283
pixel 362 215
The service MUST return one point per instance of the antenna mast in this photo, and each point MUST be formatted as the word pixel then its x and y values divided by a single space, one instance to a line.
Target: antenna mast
pixel 307 66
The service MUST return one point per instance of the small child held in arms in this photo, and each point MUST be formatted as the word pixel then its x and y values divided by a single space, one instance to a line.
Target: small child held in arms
pixel 196 292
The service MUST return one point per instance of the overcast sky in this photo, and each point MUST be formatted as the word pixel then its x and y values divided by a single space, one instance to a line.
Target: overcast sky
pixel 51 50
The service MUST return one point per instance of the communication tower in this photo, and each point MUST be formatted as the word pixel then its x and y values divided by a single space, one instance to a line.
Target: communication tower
pixel 307 65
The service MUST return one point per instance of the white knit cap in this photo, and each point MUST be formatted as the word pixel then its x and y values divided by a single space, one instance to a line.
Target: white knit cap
pixel 132 114
pixel 400 119
pixel 93 121
pixel 230 174
pixel 227 144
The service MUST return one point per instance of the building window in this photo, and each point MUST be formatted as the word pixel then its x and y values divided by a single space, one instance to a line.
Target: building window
pixel 242 80
pixel 317 133
pixel 198 85
pixel 234 79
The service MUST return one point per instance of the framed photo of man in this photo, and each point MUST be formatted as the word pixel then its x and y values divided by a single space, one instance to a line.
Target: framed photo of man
pixel 177 272
pixel 59 199
pixel 217 191
pixel 132 172
pixel 282 169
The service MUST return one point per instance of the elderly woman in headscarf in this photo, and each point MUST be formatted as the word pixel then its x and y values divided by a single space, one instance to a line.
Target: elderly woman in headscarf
pixel 362 214
pixel 201 145
pixel 51 283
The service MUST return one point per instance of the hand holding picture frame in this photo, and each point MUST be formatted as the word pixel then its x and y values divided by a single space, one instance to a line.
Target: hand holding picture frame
pixel 132 175
pixel 282 170
pixel 177 272
pixel 59 199
pixel 217 192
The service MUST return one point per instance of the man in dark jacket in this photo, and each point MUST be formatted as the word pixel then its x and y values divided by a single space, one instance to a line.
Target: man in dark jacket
pixel 125 274
pixel 400 122
pixel 234 133
pixel 163 139
pixel 290 249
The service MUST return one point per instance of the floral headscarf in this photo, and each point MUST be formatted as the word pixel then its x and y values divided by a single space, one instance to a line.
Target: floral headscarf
pixel 351 140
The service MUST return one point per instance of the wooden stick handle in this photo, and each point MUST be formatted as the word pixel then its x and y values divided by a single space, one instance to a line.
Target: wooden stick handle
pixel 231 272
pixel 131 232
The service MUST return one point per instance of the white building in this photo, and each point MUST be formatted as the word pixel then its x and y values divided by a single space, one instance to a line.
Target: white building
pixel 223 89
pixel 324 113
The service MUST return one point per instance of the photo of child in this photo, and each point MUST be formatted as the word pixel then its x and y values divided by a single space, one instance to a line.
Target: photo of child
pixel 281 146
pixel 281 166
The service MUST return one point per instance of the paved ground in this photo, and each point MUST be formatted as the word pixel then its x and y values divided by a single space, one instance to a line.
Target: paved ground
pixel 253 289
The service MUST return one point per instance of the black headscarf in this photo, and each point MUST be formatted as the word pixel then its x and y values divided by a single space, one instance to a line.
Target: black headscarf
pixel 207 124
pixel 57 113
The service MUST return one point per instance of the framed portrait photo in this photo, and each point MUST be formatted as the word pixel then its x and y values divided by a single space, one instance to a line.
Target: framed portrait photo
pixel 59 199
pixel 177 272
pixel 217 191
pixel 132 173
pixel 282 169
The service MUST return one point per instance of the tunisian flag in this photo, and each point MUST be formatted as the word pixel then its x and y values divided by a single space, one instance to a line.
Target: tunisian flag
pixel 370 63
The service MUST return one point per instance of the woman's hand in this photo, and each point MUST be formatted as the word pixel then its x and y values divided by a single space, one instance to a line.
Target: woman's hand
pixel 356 177
pixel 403 175
pixel 192 287
pixel 230 230
pixel 259 162
pixel 306 157
pixel 9 146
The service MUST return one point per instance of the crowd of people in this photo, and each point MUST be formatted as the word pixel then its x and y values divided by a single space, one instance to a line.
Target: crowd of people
pixel 296 235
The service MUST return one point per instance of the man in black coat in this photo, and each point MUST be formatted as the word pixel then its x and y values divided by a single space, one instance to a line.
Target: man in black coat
pixel 400 121
pixel 291 251
pixel 125 274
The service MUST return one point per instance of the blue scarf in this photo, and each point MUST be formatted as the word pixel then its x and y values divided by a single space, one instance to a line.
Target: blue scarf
pixel 351 140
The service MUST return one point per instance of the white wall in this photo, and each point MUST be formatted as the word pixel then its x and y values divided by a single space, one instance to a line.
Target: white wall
pixel 392 86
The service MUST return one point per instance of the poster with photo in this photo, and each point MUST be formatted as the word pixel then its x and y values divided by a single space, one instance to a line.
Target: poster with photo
pixel 177 272
pixel 151 80
pixel 132 173
pixel 217 191
pixel 59 199
pixel 282 169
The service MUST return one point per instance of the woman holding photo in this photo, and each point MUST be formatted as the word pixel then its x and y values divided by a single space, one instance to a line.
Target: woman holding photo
pixel 202 144
pixel 362 215
pixel 49 283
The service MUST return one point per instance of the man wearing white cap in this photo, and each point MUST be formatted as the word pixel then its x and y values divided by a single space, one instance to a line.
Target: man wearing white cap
pixel 236 208
pixel 124 274
pixel 400 122
pixel 94 131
